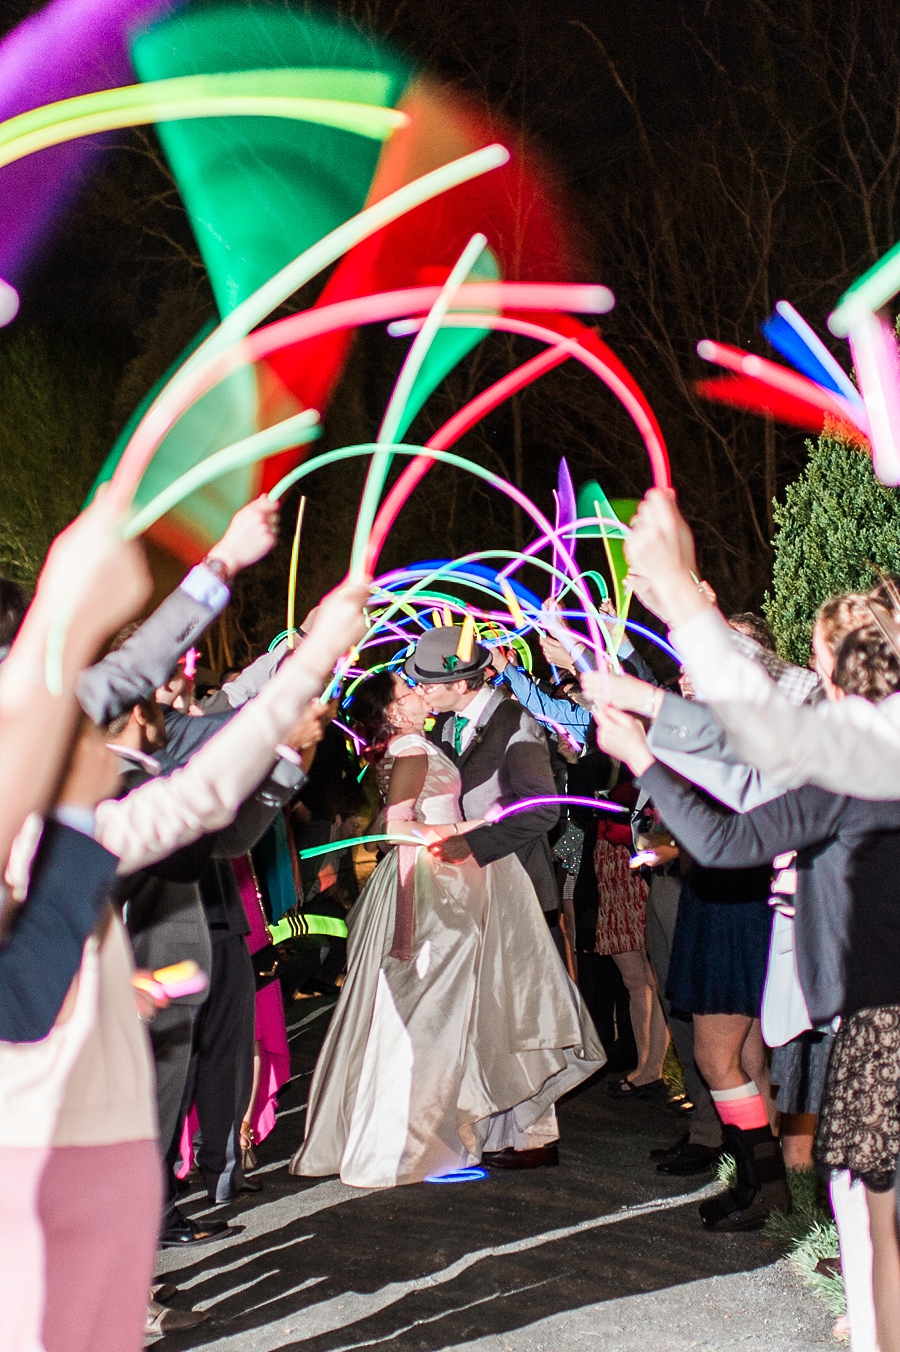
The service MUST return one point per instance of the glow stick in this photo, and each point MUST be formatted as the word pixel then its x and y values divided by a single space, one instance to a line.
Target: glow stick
pixel 521 500
pixel 190 384
pixel 780 378
pixel 654 446
pixel 512 605
pixel 199 372
pixel 868 293
pixel 466 639
pixel 181 978
pixel 450 433
pixel 820 352
pixel 297 430
pixel 390 837
pixel 390 423
pixel 874 351
pixel 437 619
pixel 601 804
pixel 9 303
pixel 447 616
pixel 230 94
pixel 190 663
pixel 292 580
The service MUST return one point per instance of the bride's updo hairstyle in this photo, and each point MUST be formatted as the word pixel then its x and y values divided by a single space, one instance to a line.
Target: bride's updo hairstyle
pixel 369 712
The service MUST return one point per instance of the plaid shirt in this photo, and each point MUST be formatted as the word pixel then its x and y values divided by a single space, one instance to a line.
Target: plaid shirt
pixel 797 684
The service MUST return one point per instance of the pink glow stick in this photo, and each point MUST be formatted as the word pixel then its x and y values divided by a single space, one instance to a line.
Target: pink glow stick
pixel 659 463
pixel 874 351
pixel 450 433
pixel 780 378
pixel 186 390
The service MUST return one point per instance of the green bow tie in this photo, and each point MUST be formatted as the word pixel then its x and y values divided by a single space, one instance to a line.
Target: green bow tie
pixel 459 723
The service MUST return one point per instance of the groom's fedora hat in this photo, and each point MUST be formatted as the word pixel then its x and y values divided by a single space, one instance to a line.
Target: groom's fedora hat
pixel 435 660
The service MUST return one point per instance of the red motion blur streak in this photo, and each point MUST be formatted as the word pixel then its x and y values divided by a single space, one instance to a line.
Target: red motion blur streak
pixel 755 396
pixel 448 435
pixel 760 374
pixel 602 361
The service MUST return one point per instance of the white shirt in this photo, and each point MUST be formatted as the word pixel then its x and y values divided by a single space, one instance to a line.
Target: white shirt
pixel 473 712
pixel 849 746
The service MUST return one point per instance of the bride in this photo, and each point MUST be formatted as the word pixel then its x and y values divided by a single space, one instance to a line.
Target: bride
pixel 457 1028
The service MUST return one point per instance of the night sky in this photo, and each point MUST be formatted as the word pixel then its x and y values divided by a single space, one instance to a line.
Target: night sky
pixel 708 170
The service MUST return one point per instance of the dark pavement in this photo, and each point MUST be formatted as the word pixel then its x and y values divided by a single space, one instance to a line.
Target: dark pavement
pixel 602 1251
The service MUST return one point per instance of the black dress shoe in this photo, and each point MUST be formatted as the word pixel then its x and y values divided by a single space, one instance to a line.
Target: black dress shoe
pixel 251 1185
pixel 691 1159
pixel 668 1152
pixel 542 1157
pixel 184 1232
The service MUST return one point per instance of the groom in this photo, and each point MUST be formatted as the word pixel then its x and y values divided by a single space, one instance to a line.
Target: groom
pixel 502 756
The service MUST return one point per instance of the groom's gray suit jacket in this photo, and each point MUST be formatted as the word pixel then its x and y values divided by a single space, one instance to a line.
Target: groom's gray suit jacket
pixel 506 760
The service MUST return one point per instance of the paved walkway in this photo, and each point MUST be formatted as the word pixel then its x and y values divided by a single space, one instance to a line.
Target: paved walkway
pixel 602 1252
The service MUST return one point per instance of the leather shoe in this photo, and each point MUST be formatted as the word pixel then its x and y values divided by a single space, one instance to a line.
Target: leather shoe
pixel 668 1152
pixel 160 1319
pixel 251 1185
pixel 163 1291
pixel 541 1157
pixel 183 1232
pixel 690 1159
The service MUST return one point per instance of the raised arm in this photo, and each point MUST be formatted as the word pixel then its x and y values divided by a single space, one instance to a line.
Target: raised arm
pixel 145 661
pixel 205 795
pixel 99 583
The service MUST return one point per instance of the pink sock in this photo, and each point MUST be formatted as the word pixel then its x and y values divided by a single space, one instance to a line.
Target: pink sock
pixel 743 1107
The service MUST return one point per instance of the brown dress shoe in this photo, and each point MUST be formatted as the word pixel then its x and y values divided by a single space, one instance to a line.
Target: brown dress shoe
pixel 542 1157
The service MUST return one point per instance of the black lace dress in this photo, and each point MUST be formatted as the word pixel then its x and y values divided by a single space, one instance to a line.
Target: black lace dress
pixel 859 1128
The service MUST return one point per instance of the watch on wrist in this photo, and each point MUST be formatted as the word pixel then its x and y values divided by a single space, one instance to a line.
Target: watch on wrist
pixel 218 567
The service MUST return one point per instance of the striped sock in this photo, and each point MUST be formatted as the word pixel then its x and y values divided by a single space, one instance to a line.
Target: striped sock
pixel 744 1107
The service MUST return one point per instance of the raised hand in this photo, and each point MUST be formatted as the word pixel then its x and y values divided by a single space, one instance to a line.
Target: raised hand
pixel 623 737
pixel 338 626
pixel 250 537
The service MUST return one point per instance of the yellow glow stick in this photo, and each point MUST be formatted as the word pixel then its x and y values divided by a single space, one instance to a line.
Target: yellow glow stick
pixel 436 619
pixel 466 639
pixel 512 605
pixel 292 580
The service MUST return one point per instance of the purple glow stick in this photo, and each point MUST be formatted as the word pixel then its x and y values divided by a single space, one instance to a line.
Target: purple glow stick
pixel 524 803
pixel 566 513
pixel 70 47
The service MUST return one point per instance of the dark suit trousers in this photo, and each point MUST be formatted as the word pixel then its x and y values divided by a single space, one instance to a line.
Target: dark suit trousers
pixel 171 1034
pixel 220 1075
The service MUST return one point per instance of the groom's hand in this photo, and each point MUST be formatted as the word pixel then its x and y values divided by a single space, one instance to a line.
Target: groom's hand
pixel 453 850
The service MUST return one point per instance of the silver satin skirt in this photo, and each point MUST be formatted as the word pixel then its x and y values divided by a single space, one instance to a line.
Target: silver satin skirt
pixel 463 1049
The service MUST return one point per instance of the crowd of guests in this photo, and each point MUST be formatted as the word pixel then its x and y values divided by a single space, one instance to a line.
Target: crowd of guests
pixel 734 919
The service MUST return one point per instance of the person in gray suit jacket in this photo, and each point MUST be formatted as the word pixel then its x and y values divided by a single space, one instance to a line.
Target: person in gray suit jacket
pixel 503 758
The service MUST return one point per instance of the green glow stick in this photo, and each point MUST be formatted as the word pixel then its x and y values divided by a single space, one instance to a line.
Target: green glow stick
pixel 315 850
pixel 327 250
pixel 390 423
pixel 292 580
pixel 867 294
pixel 295 431
pixel 169 403
pixel 256 93
pixel 297 924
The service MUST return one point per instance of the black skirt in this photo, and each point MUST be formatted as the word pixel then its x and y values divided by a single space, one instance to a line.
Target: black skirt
pixel 720 947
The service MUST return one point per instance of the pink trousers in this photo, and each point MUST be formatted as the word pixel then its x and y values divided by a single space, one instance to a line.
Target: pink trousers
pixel 21 1248
pixel 100 1210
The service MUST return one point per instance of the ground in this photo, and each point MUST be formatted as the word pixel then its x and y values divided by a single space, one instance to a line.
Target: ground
pixel 602 1252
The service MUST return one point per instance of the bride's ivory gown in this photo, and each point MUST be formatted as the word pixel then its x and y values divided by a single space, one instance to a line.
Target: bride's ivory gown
pixel 463 1049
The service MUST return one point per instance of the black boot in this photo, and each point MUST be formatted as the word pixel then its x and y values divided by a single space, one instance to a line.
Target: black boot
pixel 761 1186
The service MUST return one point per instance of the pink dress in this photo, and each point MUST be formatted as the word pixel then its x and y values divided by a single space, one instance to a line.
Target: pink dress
pixel 271 1030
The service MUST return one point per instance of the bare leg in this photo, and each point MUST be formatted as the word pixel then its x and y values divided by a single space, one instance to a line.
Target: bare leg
pixel 756 1063
pixel 247 1136
pixel 647 1019
pixel 797 1134
pixel 885 1268
pixel 718 1049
